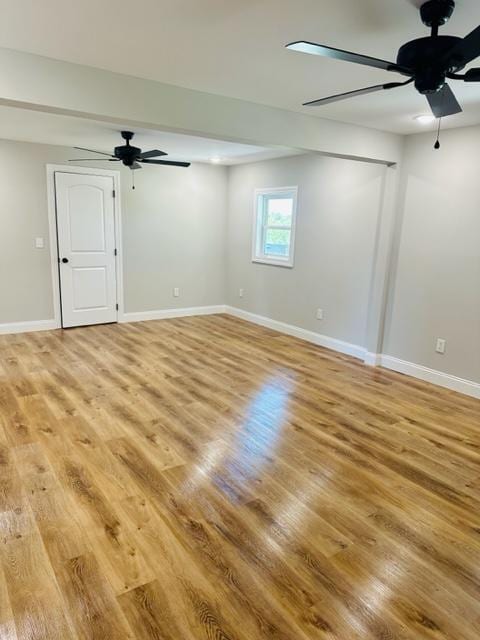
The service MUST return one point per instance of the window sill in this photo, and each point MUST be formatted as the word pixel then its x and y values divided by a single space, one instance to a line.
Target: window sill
pixel 274 263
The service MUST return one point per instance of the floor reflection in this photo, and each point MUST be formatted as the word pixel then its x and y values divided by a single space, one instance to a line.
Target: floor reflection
pixel 238 458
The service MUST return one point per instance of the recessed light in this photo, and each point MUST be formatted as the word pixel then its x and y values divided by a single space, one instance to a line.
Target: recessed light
pixel 215 160
pixel 425 119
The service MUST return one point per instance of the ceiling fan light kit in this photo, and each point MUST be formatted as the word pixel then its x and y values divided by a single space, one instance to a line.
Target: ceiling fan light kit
pixel 428 62
pixel 130 156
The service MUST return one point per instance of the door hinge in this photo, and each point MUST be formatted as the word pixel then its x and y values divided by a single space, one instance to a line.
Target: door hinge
pixel 116 306
pixel 115 252
pixel 113 193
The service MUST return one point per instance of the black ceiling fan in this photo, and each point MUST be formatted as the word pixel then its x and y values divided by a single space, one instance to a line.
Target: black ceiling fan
pixel 427 62
pixel 131 156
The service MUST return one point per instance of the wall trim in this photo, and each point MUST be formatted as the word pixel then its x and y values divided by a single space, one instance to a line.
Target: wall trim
pixel 26 327
pixel 454 383
pixel 304 334
pixel 372 359
pixel 162 314
pixel 141 316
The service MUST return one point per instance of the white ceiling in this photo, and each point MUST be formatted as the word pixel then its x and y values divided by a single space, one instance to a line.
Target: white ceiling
pixel 46 128
pixel 236 48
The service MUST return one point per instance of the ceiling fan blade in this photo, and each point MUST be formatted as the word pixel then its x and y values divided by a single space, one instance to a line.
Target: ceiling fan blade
pixel 347 56
pixel 167 162
pixel 356 92
pixel 154 153
pixel 135 166
pixel 102 153
pixel 466 50
pixel 473 75
pixel 443 103
pixel 95 160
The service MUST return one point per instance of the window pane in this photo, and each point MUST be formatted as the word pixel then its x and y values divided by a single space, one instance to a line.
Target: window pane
pixel 279 211
pixel 274 226
pixel 277 243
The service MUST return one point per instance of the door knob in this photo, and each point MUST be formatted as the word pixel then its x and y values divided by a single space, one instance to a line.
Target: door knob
pixel 64 260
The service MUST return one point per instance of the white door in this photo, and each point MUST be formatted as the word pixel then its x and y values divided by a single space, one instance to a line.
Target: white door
pixel 86 248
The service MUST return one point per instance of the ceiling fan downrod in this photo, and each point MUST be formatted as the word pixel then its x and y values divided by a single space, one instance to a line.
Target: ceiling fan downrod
pixel 436 13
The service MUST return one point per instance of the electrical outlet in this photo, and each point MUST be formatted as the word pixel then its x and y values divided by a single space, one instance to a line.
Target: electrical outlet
pixel 240 293
pixel 39 243
pixel 441 345
pixel 176 292
pixel 319 314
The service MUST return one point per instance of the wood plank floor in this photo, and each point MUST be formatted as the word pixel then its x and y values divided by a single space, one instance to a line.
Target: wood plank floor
pixel 205 478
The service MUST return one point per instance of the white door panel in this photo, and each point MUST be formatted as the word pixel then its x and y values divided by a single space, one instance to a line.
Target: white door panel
pixel 86 248
pixel 87 219
pixel 90 288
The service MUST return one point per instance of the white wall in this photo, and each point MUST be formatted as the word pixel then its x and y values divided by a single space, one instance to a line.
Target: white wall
pixel 25 272
pixel 435 290
pixel 338 208
pixel 173 234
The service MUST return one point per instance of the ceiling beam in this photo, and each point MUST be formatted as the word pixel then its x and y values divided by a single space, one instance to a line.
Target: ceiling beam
pixel 34 82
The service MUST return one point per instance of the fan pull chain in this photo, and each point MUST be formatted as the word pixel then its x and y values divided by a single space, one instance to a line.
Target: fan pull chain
pixel 437 143
pixel 133 179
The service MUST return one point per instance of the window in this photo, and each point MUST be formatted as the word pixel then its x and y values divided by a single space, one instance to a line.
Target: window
pixel 274 226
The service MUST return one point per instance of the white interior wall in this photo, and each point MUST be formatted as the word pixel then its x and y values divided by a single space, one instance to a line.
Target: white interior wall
pixel 338 207
pixel 25 272
pixel 435 284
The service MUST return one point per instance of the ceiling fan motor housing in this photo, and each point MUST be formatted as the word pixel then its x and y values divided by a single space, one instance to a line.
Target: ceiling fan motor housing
pixel 425 57
pixel 127 154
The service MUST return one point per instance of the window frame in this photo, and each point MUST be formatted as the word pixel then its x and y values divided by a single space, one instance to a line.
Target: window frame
pixel 259 226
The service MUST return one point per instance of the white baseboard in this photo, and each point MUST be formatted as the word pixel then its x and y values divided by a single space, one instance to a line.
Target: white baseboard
pixel 292 330
pixel 467 387
pixel 372 359
pixel 27 327
pixel 49 325
pixel 163 314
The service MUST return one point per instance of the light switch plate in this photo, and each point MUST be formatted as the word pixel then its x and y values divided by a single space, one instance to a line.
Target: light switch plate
pixel 39 243
pixel 440 346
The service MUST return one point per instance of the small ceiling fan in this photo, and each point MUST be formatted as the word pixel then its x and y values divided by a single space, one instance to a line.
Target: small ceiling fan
pixel 131 156
pixel 427 62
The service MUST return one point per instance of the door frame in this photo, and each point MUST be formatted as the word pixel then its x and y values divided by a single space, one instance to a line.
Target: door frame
pixel 53 239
